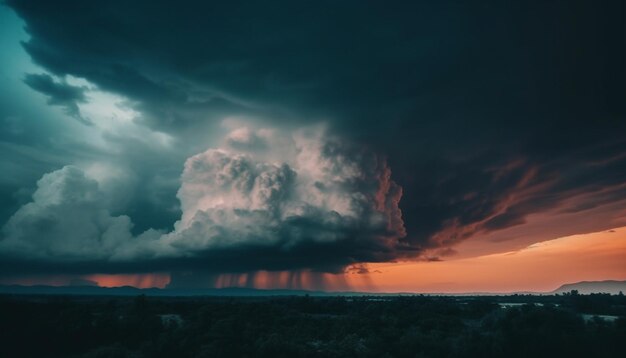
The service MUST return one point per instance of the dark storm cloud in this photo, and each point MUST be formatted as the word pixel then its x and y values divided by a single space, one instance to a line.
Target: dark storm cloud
pixel 59 93
pixel 486 113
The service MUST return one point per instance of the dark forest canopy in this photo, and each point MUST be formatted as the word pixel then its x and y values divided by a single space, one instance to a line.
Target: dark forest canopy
pixel 418 326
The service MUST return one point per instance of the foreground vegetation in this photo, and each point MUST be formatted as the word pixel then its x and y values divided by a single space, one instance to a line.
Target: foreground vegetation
pixel 542 326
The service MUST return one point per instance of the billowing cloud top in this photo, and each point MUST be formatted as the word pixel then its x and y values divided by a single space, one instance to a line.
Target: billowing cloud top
pixel 300 201
pixel 67 226
pixel 267 200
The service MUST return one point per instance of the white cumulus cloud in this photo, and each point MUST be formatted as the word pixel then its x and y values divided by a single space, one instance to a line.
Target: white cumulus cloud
pixel 68 220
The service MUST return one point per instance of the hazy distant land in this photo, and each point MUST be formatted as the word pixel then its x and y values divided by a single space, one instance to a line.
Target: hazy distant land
pixel 584 287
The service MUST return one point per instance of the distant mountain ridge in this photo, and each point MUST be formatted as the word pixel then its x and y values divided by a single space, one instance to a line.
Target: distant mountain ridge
pixel 134 291
pixel 168 292
pixel 586 287
pixel 583 287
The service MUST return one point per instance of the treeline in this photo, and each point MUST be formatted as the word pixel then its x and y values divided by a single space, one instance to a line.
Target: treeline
pixel 418 326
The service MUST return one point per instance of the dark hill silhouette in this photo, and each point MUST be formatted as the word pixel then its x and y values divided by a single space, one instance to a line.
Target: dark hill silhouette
pixel 587 287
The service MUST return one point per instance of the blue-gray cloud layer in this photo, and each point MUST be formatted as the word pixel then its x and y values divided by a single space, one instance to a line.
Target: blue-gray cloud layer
pixel 59 93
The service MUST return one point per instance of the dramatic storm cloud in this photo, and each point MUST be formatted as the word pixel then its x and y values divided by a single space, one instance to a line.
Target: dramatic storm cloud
pixel 503 123
pixel 268 200
pixel 271 201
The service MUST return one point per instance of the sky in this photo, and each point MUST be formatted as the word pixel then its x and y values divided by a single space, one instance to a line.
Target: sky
pixel 416 147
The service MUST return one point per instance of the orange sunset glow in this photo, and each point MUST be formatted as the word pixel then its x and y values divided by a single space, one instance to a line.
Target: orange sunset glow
pixel 540 267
